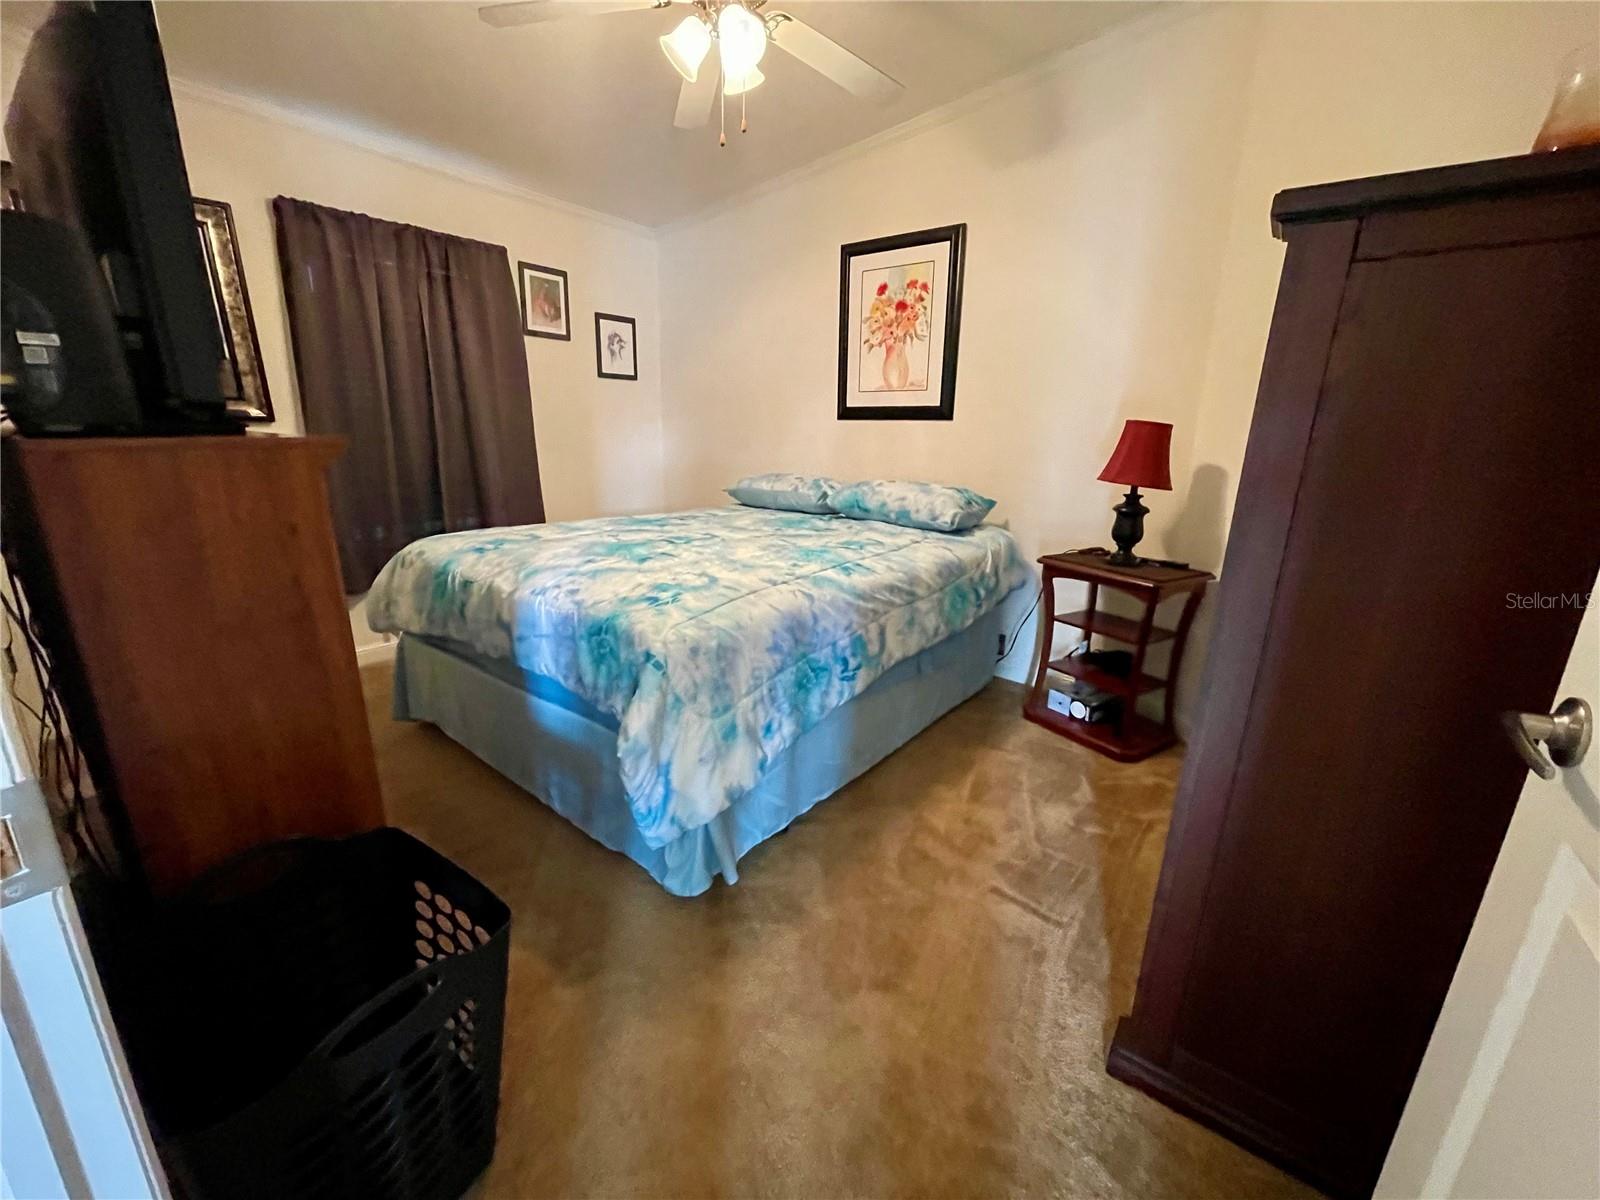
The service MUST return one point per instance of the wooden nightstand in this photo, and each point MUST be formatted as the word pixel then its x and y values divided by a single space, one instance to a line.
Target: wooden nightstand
pixel 1132 736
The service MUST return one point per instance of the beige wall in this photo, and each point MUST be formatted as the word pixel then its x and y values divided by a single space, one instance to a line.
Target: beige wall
pixel 1119 260
pixel 599 440
pixel 1331 97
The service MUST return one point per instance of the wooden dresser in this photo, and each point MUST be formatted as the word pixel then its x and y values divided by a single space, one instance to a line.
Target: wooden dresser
pixel 188 591
pixel 1423 453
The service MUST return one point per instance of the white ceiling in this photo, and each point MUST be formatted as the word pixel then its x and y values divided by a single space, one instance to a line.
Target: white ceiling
pixel 581 109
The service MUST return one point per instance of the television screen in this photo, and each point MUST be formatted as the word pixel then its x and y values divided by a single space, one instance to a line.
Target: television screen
pixel 94 142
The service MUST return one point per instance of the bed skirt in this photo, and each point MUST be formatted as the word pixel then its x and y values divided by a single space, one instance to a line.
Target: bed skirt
pixel 564 751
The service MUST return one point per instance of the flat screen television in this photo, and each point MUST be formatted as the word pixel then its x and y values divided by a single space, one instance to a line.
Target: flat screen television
pixel 94 145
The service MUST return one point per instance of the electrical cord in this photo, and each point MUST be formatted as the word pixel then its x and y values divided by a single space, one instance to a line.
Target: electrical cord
pixel 1017 632
pixel 57 753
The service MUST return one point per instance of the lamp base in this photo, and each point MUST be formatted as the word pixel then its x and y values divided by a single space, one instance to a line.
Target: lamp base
pixel 1127 530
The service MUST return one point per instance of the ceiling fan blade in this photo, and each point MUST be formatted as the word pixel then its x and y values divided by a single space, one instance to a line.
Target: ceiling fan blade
pixel 826 57
pixel 695 99
pixel 528 12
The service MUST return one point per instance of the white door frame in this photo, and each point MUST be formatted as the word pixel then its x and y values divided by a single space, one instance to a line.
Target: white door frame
pixel 70 1120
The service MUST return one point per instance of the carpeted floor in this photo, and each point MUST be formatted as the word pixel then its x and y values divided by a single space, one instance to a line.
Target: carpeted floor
pixel 910 993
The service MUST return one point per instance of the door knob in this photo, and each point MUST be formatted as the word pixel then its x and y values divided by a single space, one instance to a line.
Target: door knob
pixel 1566 732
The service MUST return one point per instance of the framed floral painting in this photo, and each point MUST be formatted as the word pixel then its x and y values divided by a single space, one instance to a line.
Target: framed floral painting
pixel 900 325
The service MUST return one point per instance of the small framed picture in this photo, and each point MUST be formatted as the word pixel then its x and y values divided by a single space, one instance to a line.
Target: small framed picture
pixel 546 307
pixel 900 325
pixel 615 352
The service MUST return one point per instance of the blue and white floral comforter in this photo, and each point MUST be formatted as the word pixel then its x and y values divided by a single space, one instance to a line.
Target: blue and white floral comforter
pixel 715 637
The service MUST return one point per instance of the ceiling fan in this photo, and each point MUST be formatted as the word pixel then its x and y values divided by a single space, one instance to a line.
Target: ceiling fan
pixel 740 31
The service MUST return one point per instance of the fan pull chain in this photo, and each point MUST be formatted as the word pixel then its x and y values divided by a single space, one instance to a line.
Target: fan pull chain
pixel 743 127
pixel 722 102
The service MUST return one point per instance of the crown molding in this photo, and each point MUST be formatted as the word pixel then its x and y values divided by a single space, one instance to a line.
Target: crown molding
pixel 428 158
pixel 1166 14
pixel 396 149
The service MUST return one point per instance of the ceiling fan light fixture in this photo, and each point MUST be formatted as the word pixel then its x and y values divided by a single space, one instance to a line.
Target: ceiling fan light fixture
pixel 686 47
pixel 749 81
pixel 742 40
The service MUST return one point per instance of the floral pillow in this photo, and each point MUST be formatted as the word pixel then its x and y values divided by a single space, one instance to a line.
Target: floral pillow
pixel 917 505
pixel 792 493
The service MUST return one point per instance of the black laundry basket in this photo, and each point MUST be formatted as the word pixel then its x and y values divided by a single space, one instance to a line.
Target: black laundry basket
pixel 324 1019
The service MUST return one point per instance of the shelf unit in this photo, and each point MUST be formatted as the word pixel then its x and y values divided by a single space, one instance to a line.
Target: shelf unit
pixel 1112 626
pixel 1132 736
pixel 1117 685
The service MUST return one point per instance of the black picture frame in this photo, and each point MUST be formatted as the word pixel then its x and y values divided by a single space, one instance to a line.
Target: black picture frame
pixel 243 379
pixel 944 410
pixel 523 268
pixel 599 346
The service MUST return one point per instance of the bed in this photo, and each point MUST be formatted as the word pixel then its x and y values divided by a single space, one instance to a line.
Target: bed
pixel 684 686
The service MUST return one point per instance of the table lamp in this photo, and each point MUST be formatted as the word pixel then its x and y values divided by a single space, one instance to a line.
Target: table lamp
pixel 1141 459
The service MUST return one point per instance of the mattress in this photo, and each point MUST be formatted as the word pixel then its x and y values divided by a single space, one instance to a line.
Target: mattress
pixel 714 639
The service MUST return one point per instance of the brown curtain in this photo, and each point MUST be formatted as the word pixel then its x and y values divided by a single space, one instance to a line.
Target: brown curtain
pixel 409 344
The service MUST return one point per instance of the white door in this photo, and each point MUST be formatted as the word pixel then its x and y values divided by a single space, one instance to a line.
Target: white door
pixel 70 1121
pixel 1507 1103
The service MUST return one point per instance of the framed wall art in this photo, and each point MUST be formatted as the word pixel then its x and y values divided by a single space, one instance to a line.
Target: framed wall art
pixel 244 383
pixel 546 305
pixel 900 325
pixel 615 346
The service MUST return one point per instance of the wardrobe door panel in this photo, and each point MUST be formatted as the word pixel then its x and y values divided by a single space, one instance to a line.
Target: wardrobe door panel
pixel 1303 323
pixel 1451 462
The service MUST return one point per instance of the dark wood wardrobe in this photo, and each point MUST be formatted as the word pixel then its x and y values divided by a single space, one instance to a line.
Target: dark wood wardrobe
pixel 1417 516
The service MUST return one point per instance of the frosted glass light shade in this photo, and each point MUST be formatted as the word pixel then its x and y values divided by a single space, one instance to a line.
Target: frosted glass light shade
pixel 752 78
pixel 743 40
pixel 686 47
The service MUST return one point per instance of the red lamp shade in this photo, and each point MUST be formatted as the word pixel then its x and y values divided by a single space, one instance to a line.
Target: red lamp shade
pixel 1142 456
